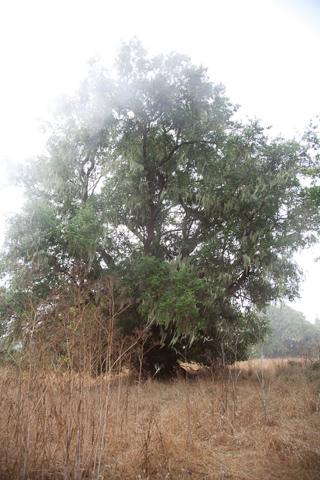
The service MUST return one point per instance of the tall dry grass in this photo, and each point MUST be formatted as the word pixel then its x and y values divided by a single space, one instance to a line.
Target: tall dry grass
pixel 72 425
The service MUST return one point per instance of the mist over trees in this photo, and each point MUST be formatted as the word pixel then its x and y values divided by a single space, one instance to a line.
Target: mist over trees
pixel 292 335
pixel 149 180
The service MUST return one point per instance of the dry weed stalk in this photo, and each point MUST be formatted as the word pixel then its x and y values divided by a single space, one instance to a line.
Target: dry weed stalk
pixel 261 380
pixel 61 420
pixel 82 427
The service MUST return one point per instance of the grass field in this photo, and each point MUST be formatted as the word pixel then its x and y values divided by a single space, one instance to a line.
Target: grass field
pixel 213 426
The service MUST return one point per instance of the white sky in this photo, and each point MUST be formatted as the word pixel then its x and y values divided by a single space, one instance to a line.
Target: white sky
pixel 266 52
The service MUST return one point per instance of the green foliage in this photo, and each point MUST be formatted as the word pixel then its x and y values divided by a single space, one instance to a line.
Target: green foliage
pixel 148 177
pixel 81 232
pixel 313 169
pixel 170 294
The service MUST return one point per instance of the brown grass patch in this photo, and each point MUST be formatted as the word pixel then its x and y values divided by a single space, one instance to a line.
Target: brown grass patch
pixel 76 426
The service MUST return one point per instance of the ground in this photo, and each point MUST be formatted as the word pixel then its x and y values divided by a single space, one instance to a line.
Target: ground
pixel 212 426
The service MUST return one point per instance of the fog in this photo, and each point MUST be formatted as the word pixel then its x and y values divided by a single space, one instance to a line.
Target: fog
pixel 266 53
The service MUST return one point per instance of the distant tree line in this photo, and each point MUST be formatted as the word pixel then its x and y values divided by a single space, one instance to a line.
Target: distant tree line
pixel 292 335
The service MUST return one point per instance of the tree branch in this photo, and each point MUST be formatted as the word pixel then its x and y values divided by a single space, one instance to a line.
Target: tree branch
pixel 234 287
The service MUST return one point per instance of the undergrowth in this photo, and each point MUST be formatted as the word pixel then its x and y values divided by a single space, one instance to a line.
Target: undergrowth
pixel 72 425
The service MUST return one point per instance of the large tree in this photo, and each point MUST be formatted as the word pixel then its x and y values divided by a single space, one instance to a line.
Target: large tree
pixel 149 177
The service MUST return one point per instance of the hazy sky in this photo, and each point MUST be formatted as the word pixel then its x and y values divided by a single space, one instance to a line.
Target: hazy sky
pixel 266 52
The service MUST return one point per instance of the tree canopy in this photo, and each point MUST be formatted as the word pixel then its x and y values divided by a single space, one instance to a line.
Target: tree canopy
pixel 149 178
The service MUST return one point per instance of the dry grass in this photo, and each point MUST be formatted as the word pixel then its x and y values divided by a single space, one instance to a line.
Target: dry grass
pixel 75 426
